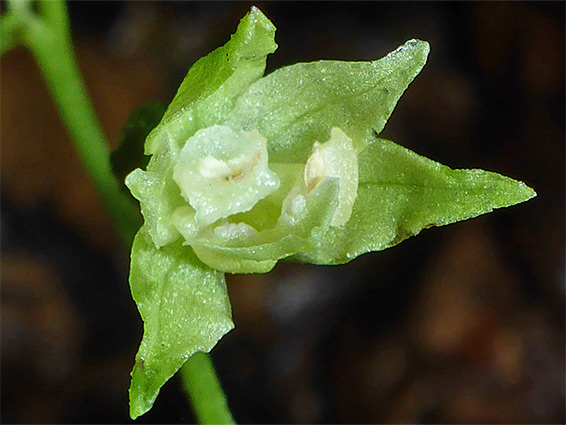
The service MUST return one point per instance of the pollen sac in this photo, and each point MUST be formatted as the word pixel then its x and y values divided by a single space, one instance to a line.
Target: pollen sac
pixel 222 172
pixel 335 159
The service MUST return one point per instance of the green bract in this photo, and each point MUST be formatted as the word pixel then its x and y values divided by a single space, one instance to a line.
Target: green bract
pixel 247 170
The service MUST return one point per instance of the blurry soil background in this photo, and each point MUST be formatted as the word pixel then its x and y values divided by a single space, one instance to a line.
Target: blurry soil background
pixel 462 324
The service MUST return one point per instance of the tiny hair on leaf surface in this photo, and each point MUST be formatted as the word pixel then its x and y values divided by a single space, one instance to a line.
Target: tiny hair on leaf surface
pixel 246 170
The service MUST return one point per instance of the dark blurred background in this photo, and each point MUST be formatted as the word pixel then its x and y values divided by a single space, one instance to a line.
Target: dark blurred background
pixel 462 324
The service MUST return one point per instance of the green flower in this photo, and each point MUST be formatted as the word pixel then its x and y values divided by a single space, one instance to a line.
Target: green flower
pixel 247 170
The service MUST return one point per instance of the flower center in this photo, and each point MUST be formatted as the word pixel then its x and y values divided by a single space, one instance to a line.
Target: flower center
pixel 221 172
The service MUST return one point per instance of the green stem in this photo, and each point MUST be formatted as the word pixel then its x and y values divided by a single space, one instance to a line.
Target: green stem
pixel 200 380
pixel 48 37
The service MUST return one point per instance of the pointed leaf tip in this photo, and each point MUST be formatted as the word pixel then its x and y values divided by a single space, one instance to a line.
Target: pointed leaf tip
pixel 401 193
pixel 354 96
pixel 185 308
pixel 256 33
pixel 215 81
